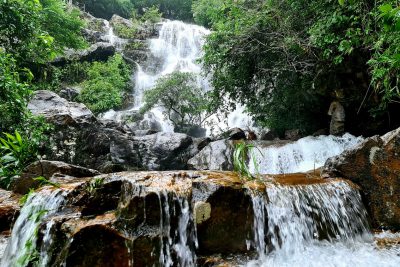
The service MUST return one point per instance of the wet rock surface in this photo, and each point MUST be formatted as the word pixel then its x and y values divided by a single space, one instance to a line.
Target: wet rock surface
pixel 9 209
pixel 48 170
pixel 128 219
pixel 375 166
pixel 214 156
pixel 100 51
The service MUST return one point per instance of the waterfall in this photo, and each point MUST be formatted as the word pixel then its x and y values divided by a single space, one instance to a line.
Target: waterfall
pixel 178 47
pixel 112 38
pixel 306 154
pixel 22 244
pixel 177 244
pixel 322 224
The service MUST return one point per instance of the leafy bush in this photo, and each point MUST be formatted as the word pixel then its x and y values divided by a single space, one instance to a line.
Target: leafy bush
pixel 106 84
pixel 152 15
pixel 183 101
pixel 15 153
pixel 205 12
pixel 35 31
pixel 124 31
pixel 285 59
pixel 14 94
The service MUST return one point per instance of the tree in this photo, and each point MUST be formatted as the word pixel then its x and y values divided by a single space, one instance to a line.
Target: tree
pixel 183 101
pixel 285 59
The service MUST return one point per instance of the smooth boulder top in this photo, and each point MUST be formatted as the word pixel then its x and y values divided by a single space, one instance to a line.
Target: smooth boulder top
pixel 58 110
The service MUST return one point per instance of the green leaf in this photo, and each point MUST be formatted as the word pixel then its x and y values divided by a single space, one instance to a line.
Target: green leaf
pixel 385 8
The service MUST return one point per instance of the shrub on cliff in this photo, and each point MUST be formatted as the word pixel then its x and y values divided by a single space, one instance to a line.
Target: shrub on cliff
pixel 106 85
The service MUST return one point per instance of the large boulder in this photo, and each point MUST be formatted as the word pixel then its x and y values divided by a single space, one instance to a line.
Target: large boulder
pixel 80 139
pixel 100 51
pixel 58 110
pixel 215 156
pixel 160 151
pixel 9 209
pixel 48 169
pixel 375 166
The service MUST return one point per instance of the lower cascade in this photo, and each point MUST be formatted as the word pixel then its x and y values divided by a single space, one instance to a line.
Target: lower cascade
pixel 176 219
pixel 303 155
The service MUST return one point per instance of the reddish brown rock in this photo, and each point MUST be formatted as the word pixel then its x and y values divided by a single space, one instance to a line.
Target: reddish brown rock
pixel 9 209
pixel 47 169
pixel 375 166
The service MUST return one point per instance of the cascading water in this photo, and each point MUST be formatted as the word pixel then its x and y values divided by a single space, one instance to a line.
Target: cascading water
pixel 178 48
pixel 178 244
pixel 303 155
pixel 22 243
pixel 323 224
pixel 111 37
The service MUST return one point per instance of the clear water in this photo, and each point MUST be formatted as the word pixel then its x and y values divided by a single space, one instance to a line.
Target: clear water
pixel 306 154
pixel 24 233
pixel 181 241
pixel 294 217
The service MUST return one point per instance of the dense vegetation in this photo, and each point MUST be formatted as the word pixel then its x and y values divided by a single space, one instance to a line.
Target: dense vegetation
pixel 31 34
pixel 172 9
pixel 286 60
pixel 105 85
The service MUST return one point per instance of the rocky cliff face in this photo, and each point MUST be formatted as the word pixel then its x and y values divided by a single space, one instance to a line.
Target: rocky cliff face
pixel 375 166
pixel 80 139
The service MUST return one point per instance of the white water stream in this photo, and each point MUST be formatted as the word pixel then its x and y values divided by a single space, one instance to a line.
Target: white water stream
pixel 181 241
pixel 178 48
pixel 290 223
pixel 306 154
pixel 22 244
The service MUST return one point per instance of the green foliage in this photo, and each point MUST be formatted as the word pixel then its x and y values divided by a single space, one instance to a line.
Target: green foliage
pixel 240 159
pixel 95 184
pixel 152 15
pixel 14 94
pixel 206 12
pixel 35 31
pixel 105 85
pixel 171 9
pixel 43 181
pixel 385 62
pixel 285 59
pixel 185 104
pixel 25 197
pixel 18 150
pixel 106 8
pixel 124 31
pixel 15 153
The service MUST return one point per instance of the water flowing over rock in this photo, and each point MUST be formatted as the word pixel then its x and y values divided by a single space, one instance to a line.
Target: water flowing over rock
pixel 177 48
pixel 309 153
pixel 275 157
pixel 149 219
pixel 375 166
pixel 22 244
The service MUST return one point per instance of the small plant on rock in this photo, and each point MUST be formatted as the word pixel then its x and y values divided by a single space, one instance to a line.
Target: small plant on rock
pixel 241 156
